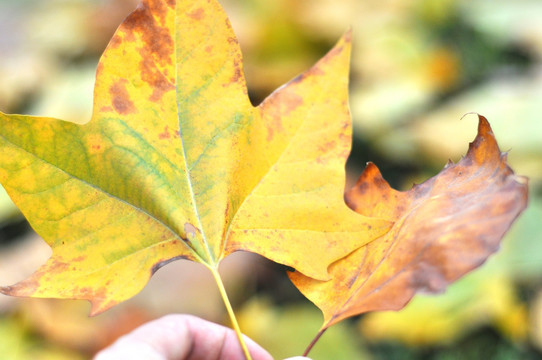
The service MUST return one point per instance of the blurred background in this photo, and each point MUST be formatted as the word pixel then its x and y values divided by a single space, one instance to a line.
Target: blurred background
pixel 417 67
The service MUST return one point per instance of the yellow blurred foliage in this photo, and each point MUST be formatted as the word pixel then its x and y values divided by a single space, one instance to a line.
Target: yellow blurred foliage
pixel 18 343
pixel 286 331
pixel 536 321
pixel 442 319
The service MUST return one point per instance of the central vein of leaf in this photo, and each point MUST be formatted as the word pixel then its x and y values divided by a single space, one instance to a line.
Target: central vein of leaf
pixel 209 258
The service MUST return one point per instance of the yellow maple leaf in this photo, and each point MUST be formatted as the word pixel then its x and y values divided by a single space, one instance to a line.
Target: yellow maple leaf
pixel 176 163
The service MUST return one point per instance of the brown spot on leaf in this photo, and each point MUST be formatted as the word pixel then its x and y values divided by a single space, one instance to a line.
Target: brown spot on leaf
pixel 196 14
pixel 326 147
pixel 56 265
pixel 98 298
pixel 23 288
pixel 315 71
pixel 337 50
pixel 156 79
pixel 121 98
pixel 238 74
pixel 282 105
pixel 156 48
pixel 165 134
pixel 99 68
pixel 116 41
pixel 87 292
pixel 158 8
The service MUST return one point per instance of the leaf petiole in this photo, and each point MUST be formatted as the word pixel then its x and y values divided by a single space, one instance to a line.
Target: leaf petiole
pixel 313 342
pixel 233 319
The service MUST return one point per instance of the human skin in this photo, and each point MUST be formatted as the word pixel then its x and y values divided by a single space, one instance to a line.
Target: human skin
pixel 182 337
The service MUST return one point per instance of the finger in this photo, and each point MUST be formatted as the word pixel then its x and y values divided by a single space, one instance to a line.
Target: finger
pixel 181 337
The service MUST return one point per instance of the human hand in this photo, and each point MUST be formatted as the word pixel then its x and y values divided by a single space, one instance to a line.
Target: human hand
pixel 182 337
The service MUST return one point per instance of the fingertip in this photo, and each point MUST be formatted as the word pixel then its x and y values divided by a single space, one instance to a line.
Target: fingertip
pixel 176 336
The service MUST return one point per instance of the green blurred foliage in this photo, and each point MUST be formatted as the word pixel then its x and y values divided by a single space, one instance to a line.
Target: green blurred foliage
pixel 18 343
pixel 287 330
pixel 418 66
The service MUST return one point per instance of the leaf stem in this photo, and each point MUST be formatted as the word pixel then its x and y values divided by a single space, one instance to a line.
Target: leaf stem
pixel 313 342
pixel 233 319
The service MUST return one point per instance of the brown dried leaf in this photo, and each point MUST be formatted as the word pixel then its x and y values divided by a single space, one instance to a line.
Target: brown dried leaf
pixel 443 229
